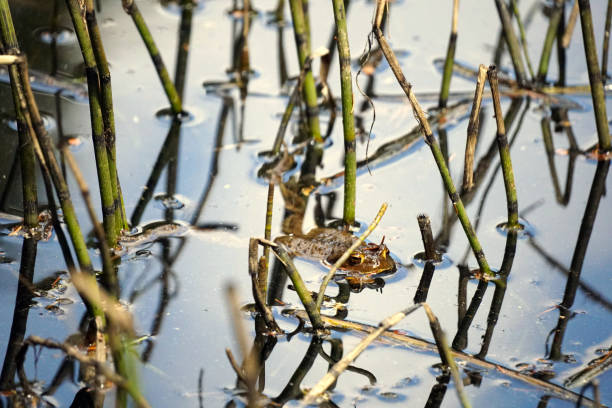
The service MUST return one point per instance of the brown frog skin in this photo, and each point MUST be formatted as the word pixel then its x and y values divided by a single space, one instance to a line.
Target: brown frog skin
pixel 328 245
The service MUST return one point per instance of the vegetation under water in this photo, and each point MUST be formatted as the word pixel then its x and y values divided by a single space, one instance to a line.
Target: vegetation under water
pixel 191 170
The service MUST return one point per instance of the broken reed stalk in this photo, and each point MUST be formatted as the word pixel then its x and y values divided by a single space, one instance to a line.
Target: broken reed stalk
pixel 523 36
pixel 26 148
pixel 107 263
pixel 511 41
pixel 472 130
pixel 432 143
pixel 445 354
pixel 97 124
pixel 348 120
pixel 597 91
pixel 551 34
pixel 571 24
pixel 173 97
pixel 504 152
pixel 302 44
pixel 427 236
pixel 348 253
pixel 450 58
pixel 73 352
pixel 108 113
pixel 606 43
pixel 300 287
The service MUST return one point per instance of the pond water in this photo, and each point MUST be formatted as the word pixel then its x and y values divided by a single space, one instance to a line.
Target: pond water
pixel 176 287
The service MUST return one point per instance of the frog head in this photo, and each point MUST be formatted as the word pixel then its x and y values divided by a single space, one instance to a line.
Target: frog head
pixel 370 259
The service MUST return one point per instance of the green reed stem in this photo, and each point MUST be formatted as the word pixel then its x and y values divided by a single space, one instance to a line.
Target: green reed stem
pixel 44 140
pixel 511 41
pixel 108 114
pixel 348 121
pixel 26 149
pixel 107 263
pixel 173 97
pixel 300 287
pixel 432 143
pixel 519 21
pixel 302 43
pixel 26 155
pixel 551 33
pixel 183 50
pixel 97 124
pixel 606 43
pixel 504 152
pixel 597 91
pixel 41 139
pixel 305 8
pixel 450 58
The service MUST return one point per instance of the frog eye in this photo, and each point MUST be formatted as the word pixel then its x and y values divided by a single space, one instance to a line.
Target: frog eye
pixel 356 259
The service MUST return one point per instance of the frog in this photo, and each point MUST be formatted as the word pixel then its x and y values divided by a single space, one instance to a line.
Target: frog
pixel 151 232
pixel 328 245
